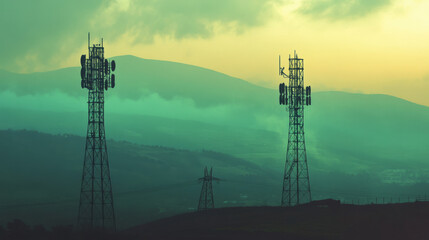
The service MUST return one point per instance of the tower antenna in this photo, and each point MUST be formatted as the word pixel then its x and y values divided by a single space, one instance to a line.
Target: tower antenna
pixel 96 209
pixel 296 181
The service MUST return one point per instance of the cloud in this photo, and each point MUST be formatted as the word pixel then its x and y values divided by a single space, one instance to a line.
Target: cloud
pixel 48 31
pixel 194 18
pixel 341 9
pixel 41 32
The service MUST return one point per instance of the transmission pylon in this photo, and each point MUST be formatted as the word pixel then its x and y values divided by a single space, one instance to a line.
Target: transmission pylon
pixel 96 209
pixel 296 181
pixel 206 196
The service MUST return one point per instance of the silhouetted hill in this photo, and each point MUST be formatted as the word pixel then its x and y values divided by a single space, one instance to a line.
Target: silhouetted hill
pixel 40 178
pixel 41 175
pixel 182 106
pixel 139 77
pixel 392 221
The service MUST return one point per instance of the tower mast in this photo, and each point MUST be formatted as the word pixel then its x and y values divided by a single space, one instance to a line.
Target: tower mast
pixel 96 209
pixel 296 181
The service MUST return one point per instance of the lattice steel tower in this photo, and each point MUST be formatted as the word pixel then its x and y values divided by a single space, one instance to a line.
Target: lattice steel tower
pixel 296 182
pixel 206 196
pixel 96 209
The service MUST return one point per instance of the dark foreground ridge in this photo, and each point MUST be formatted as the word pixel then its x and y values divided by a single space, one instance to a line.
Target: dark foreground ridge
pixel 325 220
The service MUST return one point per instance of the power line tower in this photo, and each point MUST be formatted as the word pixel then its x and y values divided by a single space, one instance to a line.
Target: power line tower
pixel 96 211
pixel 296 181
pixel 206 196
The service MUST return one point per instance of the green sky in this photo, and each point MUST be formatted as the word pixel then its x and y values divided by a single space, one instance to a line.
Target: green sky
pixel 377 46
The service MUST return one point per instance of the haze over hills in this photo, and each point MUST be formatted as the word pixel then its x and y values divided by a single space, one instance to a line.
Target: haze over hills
pixel 41 174
pixel 178 105
pixel 142 77
pixel 379 139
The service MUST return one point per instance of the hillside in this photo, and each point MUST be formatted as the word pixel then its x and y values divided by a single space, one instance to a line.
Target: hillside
pixel 375 144
pixel 188 107
pixel 392 221
pixel 367 133
pixel 41 175
pixel 139 77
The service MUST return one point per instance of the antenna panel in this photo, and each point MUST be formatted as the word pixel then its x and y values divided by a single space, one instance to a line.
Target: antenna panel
pixel 82 73
pixel 281 88
pixel 113 65
pixel 83 60
pixel 106 66
pixel 113 80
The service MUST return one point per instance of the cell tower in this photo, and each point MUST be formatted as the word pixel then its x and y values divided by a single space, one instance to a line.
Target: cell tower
pixel 206 196
pixel 96 199
pixel 296 181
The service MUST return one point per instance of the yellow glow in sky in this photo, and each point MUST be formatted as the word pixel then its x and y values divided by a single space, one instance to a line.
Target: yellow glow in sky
pixel 384 51
pixel 381 53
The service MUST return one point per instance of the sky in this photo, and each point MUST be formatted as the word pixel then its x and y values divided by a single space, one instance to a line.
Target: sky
pixel 364 46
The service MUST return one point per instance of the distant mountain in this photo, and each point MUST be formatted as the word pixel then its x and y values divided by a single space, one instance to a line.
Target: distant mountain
pixel 188 107
pixel 369 132
pixel 137 77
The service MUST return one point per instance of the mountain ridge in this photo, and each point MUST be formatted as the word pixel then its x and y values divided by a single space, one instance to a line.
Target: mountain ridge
pixel 366 132
pixel 49 80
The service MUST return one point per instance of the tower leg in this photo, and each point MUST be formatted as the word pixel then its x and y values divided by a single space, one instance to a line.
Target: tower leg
pixel 96 209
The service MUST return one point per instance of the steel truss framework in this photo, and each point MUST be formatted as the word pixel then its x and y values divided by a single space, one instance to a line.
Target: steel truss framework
pixel 206 196
pixel 296 181
pixel 96 210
